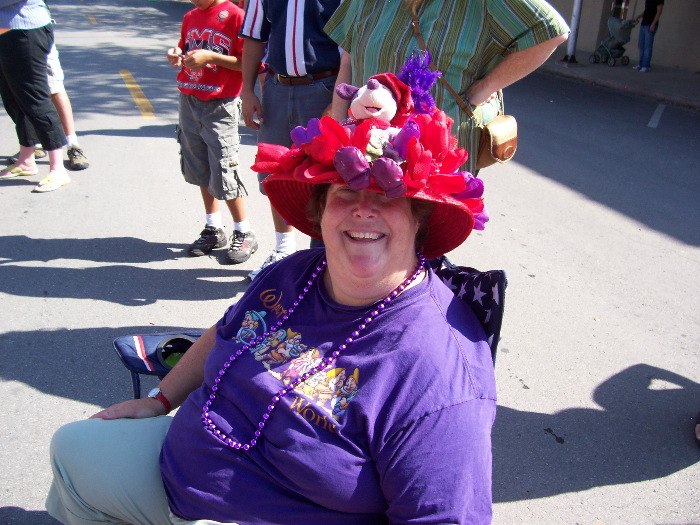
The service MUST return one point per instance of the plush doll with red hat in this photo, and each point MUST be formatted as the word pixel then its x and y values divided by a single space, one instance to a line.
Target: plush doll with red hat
pixel 384 97
pixel 379 111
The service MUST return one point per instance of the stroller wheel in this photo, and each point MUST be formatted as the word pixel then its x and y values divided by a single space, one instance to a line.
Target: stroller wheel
pixel 611 62
pixel 593 59
pixel 625 60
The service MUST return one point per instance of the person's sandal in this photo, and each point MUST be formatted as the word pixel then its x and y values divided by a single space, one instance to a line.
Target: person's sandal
pixel 13 171
pixel 51 183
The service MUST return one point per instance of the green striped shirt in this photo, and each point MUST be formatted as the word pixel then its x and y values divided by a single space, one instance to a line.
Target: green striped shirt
pixel 466 39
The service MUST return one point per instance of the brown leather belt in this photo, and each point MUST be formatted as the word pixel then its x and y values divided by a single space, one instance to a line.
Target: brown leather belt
pixel 301 81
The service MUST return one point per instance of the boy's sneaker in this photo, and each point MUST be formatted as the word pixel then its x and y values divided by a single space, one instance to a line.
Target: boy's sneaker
pixel 273 258
pixel 76 158
pixel 243 245
pixel 637 67
pixel 211 237
pixel 643 69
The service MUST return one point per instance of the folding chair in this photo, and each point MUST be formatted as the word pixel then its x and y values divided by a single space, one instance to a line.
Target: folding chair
pixel 152 354
pixel 483 292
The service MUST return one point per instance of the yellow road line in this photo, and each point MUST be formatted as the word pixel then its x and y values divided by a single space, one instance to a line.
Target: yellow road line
pixel 92 19
pixel 141 101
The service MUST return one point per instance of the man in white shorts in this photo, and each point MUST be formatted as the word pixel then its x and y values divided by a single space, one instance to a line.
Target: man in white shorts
pixel 59 97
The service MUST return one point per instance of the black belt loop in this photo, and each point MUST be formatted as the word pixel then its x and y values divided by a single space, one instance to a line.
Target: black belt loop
pixel 305 80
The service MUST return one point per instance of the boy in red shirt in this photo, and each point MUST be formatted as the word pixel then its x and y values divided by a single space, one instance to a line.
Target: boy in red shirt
pixel 209 55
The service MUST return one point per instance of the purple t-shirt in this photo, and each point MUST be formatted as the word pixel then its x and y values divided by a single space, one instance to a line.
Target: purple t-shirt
pixel 397 429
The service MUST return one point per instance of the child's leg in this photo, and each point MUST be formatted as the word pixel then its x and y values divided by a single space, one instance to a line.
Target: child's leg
pixel 195 163
pixel 237 208
pixel 220 132
pixel 211 205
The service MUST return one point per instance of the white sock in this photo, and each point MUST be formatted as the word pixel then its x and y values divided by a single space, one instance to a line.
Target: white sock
pixel 286 243
pixel 214 219
pixel 72 140
pixel 243 226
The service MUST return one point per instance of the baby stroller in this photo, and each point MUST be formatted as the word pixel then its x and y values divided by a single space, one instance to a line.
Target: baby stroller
pixel 612 47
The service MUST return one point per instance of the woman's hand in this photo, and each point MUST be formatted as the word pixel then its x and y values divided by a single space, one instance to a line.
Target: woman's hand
pixel 132 409
pixel 478 93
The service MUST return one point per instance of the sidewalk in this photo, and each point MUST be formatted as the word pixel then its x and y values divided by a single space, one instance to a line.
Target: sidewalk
pixel 664 84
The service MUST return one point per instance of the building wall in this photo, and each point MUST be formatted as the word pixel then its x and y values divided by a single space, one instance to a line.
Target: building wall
pixel 676 44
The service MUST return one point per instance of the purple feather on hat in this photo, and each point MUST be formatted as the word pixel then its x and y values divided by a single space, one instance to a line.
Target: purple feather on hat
pixel 417 75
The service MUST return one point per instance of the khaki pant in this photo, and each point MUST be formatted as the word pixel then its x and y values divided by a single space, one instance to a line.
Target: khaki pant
pixel 109 472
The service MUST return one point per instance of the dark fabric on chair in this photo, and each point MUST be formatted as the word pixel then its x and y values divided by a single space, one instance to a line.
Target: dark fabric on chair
pixel 484 292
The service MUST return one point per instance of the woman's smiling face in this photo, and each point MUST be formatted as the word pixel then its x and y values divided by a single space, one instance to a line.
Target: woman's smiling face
pixel 369 238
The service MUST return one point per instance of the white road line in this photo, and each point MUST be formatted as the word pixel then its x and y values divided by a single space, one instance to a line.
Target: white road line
pixel 656 117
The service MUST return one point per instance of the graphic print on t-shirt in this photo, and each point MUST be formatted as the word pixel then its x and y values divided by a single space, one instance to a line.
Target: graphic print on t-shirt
pixel 210 40
pixel 286 357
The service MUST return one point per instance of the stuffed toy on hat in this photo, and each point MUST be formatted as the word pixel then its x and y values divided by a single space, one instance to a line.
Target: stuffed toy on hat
pixel 379 116
pixel 383 97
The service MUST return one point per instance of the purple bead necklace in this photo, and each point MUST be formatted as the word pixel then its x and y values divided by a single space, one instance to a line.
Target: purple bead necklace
pixel 379 306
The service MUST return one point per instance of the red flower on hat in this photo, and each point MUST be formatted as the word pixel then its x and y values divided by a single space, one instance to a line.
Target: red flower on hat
pixel 435 136
pixel 418 164
pixel 315 172
pixel 272 158
pixel 333 136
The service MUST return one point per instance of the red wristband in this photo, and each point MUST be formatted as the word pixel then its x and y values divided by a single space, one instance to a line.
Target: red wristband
pixel 157 394
pixel 160 397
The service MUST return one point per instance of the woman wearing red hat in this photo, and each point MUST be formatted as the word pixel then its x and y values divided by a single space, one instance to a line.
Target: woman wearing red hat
pixel 381 414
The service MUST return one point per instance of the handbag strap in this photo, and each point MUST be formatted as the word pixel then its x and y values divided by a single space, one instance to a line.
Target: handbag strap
pixel 416 30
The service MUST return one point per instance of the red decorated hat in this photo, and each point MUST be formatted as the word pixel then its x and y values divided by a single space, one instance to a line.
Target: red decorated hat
pixel 419 161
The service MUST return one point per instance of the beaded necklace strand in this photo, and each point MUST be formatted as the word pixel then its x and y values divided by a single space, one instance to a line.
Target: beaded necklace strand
pixel 377 308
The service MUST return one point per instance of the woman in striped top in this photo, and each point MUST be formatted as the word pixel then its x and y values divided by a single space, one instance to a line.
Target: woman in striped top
pixel 481 46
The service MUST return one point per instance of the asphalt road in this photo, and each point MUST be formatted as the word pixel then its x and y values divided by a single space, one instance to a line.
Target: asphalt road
pixel 596 222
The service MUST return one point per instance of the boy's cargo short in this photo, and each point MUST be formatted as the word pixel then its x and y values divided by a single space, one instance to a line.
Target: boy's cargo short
pixel 208 138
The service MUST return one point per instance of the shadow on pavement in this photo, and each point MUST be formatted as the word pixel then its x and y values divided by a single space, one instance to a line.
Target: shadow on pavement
pixel 80 364
pixel 643 431
pixel 119 50
pixel 18 516
pixel 164 131
pixel 656 186
pixel 20 248
pixel 118 283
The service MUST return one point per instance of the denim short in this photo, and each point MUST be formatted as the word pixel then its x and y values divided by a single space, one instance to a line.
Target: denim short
pixel 208 138
pixel 286 107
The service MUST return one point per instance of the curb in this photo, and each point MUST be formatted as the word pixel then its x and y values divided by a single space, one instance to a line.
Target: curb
pixel 588 76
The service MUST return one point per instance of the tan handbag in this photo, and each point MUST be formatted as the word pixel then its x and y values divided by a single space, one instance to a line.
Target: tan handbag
pixel 498 141
pixel 499 138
